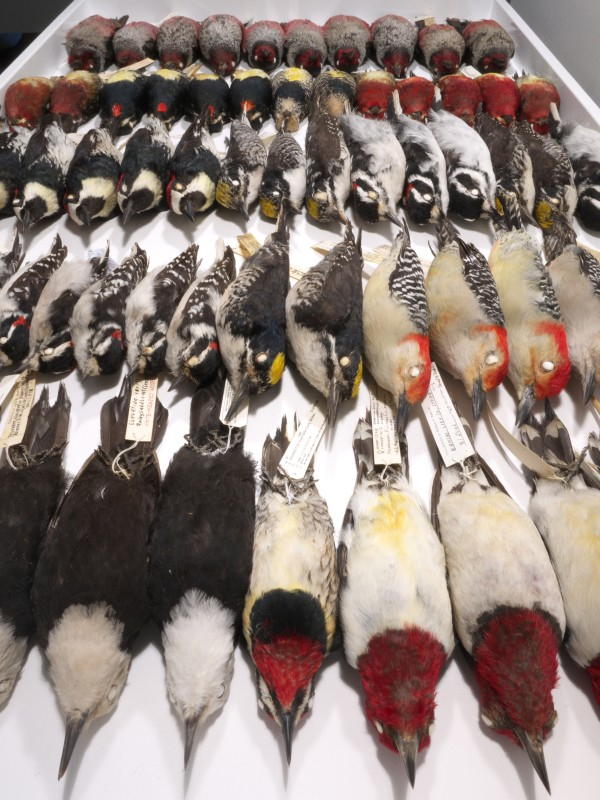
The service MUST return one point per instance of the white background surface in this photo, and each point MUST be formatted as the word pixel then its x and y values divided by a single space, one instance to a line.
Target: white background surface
pixel 138 751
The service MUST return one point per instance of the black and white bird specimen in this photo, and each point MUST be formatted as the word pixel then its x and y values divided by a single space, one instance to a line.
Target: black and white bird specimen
pixel 195 170
pixel 10 260
pixel 92 178
pixel 284 179
pixel 242 169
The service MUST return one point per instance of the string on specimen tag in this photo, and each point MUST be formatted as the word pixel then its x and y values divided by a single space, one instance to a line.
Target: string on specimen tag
pixel 18 414
pixel 444 422
pixel 140 416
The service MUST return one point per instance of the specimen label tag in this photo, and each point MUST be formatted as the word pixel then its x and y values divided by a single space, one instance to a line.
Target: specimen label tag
pixel 450 436
pixel 470 71
pixel 241 418
pixel 425 20
pixel 247 245
pixel 304 443
pixel 296 273
pixel 140 418
pixel 386 447
pixel 22 400
pixel 6 385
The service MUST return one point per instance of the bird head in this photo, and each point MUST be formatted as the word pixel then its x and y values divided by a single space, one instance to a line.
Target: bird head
pixel 345 378
pixel 489 363
pixel 310 60
pixel 588 207
pixel 263 56
pixel 347 59
pixel 223 61
pixel 31 208
pixel 198 641
pixel 548 367
pixel 192 198
pixel 421 201
pixel 516 667
pixel 14 339
pixel 272 192
pixel 466 196
pixel 399 672
pixel 87 60
pixel 144 193
pixel 153 351
pixel 201 360
pixel 261 366
pixel 55 354
pixel 369 200
pixel 321 202
pixel 87 666
pixel 412 376
pixel 444 61
pixel 171 59
pixel 232 189
pixel 106 352
pixel 397 61
pixel 12 654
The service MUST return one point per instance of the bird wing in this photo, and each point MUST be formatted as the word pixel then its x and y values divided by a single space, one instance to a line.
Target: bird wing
pixel 329 293
pixel 406 286
pixel 590 267
pixel 480 281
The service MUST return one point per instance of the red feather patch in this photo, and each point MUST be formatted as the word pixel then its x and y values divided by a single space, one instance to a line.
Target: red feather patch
pixel 287 663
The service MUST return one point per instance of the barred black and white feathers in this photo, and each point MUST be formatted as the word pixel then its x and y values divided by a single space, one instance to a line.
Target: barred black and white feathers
pixel 192 345
pixel 149 311
pixel 11 259
pixel 98 320
pixel 18 300
pixel 92 178
pixel 327 167
pixel 292 92
pixel 284 178
pixel 242 169
pixel 12 148
pixel 195 170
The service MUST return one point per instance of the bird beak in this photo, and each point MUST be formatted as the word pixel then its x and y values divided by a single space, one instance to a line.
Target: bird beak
pixel 84 215
pixel 525 406
pixel 242 207
pixel 478 398
pixel 589 386
pixel 127 210
pixel 132 371
pixel 176 383
pixel 75 725
pixel 534 749
pixel 408 747
pixel 190 731
pixel 27 219
pixel 402 414
pixel 333 402
pixel 188 209
pixel 238 398
pixel 393 218
pixel 287 726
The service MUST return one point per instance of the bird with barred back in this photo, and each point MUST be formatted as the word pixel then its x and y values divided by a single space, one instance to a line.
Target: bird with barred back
pixel 242 168
pixel 284 178
pixel 10 260
pixel 327 167
pixel 92 178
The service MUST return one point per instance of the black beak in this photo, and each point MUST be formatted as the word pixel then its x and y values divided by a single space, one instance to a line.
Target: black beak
pixel 535 751
pixel 242 393
pixel 333 402
pixel 176 383
pixel 188 209
pixel 190 731
pixel 402 414
pixel 478 398
pixel 75 725
pixel 393 218
pixel 408 747
pixel 127 210
pixel 287 726
pixel 525 406
pixel 589 386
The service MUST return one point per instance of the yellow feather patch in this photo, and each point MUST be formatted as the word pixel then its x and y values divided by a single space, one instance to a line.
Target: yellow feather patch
pixel 277 369
pixel 122 75
pixel 169 74
pixel 295 74
pixel 358 379
pixel 268 207
pixel 544 213
pixel 499 206
pixel 206 76
pixel 223 195
pixel 313 208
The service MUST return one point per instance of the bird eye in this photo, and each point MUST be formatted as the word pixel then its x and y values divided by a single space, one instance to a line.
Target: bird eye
pixel 554 201
pixel 3 340
pixel 275 193
pixel 179 187
pixel 378 726
pixel 344 361
pixel 547 366
pixel 235 183
pixel 48 351
pixel 487 721
pixel 112 693
pixel 415 371
pixel 491 358
pixel 221 690
pixel 261 358
pixel 428 198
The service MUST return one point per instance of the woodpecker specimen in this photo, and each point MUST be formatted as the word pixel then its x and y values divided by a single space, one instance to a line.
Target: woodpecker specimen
pixel 440 48
pixel 31 484
pixel 284 179
pixel 575 275
pixel 11 260
pixel 89 592
pixel 327 167
pixel 242 169
pixel 489 46
pixel 471 180
pixel 395 608
pixel 42 178
pixel 567 513
pixel 122 101
pixel 506 603
pixel 195 170
pixel 416 96
pixel 377 168
pixel 75 98
pixel 536 96
pixel 92 178
pixel 250 96
pixel 98 319
pixel 18 299
pixel 334 91
pixel 177 42
pixel 394 40
pixel 200 561
pixel 251 319
pixel 583 148
pixel 26 101
pixel 347 39
pixel 553 178
pixel 292 92
pixel 373 90
pixel 500 97
pixel 192 346
pixel 263 44
pixel 324 323
pixel 12 148
pixel 220 41
pixel 515 189
pixel 467 327
pixel 135 42
pixel 539 360
pixel 50 338
pixel 461 96
pixel 396 328
pixel 89 43
pixel 150 308
pixel 208 93
pixel 289 616
pixel 304 45
pixel 166 95
pixel 145 169
pixel 426 186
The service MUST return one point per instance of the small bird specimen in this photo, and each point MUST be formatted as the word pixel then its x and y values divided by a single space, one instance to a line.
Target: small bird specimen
pixel 89 593
pixel 506 602
pixel 195 170
pixel 92 178
pixel 292 93
pixel 251 319
pixel 18 299
pixel 290 613
pixel 440 48
pixel 26 101
pixel 209 94
pixel 150 308
pixel 334 91
pixel 467 326
pixel 31 484
pixel 220 41
pixel 500 97
pixel 324 323
pixel 122 101
pixel 373 90
pixel 569 504
pixel 201 559
pixel 347 39
pixel 396 327
pixel 192 347
pixel 263 44
pixel 304 45
pixel 284 178
pixel 75 98
pixel 177 42
pixel 460 96
pixel 537 96
pixel 166 95
pixel 250 96
pixel 394 604
pixel 488 46
pixel 134 42
pixel 394 40
pixel 89 43
pixel 242 168
pixel 98 319
pixel 327 167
